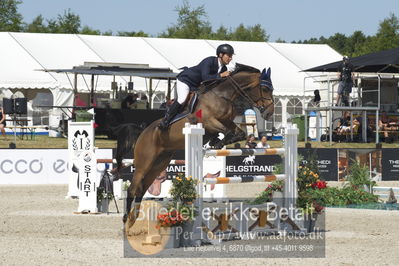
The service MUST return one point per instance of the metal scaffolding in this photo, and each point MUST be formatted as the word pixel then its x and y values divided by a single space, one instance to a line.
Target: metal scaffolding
pixel 329 108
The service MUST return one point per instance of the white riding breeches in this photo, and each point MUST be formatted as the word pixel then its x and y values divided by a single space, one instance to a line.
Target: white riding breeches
pixel 182 91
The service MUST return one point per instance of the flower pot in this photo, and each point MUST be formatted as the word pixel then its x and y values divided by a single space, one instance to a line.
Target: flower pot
pixel 186 234
pixel 310 221
pixel 173 236
pixel 103 205
pixel 124 194
pixel 278 198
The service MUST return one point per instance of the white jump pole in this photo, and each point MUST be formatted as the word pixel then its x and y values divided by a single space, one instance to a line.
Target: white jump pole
pixel 194 168
pixel 290 169
pixel 194 154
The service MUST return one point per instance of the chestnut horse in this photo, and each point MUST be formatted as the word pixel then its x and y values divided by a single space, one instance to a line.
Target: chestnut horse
pixel 218 103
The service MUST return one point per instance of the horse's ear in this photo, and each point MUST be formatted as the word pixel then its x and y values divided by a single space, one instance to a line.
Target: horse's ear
pixel 263 75
pixel 266 79
pixel 269 72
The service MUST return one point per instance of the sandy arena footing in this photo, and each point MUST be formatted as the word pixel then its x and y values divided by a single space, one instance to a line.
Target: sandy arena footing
pixel 37 226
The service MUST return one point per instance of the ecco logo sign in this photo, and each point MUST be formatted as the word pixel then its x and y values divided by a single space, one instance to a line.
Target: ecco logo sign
pixel 35 166
pixel 21 166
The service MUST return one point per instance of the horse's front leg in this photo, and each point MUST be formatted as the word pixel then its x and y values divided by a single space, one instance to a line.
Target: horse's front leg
pixel 232 133
pixel 214 139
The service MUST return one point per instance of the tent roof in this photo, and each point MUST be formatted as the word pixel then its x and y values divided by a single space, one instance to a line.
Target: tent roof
pixel 303 55
pixel 125 50
pixel 110 69
pixel 379 62
pixel 59 51
pixel 181 52
pixel 17 68
pixel 28 52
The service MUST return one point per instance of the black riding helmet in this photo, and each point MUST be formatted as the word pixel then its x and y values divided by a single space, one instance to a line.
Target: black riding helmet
pixel 225 49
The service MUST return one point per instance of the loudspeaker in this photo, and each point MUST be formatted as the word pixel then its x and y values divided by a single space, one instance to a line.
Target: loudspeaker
pixel 8 106
pixel 130 85
pixel 21 106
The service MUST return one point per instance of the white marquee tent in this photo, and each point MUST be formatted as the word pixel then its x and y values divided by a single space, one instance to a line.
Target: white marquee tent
pixel 23 54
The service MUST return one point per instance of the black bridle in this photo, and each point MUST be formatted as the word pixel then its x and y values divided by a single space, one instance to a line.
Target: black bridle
pixel 241 91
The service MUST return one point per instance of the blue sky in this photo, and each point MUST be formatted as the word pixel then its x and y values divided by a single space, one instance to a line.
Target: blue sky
pixel 286 19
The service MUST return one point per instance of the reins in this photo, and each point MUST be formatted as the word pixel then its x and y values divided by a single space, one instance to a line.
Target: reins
pixel 245 95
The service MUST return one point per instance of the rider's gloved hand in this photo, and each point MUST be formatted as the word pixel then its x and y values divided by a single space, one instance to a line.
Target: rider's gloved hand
pixel 225 74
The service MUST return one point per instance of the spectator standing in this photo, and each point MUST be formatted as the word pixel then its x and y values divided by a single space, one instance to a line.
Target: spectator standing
pixel 345 81
pixel 3 122
pixel 316 100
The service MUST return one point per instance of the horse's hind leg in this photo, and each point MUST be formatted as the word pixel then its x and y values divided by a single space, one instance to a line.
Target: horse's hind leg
pixel 136 193
pixel 141 183
pixel 134 189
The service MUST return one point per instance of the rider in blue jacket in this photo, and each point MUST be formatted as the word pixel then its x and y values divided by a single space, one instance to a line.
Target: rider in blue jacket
pixel 211 67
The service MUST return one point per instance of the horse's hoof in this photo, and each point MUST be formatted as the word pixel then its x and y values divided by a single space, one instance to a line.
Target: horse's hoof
pixel 130 219
pixel 124 219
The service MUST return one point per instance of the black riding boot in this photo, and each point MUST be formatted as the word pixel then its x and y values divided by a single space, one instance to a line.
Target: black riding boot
pixel 170 113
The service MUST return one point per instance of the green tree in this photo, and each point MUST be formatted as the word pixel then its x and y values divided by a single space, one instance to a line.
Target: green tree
pixel 191 23
pixel 222 33
pixel 10 19
pixel 387 36
pixel 310 41
pixel 89 31
pixel 355 43
pixel 133 33
pixel 37 25
pixel 52 26
pixel 69 22
pixel 369 46
pixel 338 42
pixel 241 33
pixel 107 33
pixel 322 40
pixel 250 34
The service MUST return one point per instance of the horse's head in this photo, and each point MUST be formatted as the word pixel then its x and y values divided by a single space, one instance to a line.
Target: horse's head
pixel 257 88
pixel 265 102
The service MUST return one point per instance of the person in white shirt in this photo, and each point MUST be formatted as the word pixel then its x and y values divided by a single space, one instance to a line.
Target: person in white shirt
pixel 263 143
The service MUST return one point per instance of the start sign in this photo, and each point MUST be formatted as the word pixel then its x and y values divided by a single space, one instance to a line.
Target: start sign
pixel 84 163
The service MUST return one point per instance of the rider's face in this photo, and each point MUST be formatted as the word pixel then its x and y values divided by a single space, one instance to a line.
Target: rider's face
pixel 226 58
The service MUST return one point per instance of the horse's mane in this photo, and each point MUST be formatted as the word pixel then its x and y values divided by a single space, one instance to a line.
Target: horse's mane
pixel 244 68
pixel 210 84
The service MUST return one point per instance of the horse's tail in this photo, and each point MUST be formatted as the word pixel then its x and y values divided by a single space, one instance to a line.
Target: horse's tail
pixel 127 134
